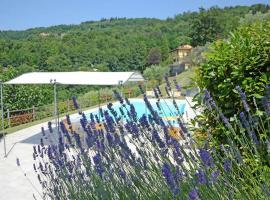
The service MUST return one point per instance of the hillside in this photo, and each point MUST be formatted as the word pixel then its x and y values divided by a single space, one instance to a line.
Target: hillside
pixel 116 44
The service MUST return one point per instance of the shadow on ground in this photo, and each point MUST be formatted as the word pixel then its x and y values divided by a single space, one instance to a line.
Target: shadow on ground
pixel 49 138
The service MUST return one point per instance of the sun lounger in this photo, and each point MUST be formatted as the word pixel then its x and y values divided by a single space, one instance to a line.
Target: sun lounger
pixel 150 93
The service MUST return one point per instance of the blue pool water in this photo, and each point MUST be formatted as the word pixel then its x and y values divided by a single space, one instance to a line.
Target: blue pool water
pixel 168 111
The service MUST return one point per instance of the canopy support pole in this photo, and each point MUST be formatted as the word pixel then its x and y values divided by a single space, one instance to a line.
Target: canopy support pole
pixel 99 103
pixel 56 114
pixel 121 87
pixel 3 125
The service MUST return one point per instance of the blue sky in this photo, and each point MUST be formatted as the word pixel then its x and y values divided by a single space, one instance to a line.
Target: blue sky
pixel 23 14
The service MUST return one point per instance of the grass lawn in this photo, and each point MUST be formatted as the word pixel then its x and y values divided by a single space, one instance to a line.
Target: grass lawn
pixel 184 79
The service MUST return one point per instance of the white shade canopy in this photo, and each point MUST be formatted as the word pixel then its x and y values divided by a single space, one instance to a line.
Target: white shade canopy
pixel 77 78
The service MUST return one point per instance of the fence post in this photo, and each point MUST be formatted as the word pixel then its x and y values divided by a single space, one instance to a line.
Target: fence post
pixel 34 113
pixel 8 116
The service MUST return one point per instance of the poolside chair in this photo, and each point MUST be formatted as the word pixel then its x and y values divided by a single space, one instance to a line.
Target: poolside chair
pixel 176 94
pixel 100 126
pixel 70 128
pixel 175 132
pixel 150 93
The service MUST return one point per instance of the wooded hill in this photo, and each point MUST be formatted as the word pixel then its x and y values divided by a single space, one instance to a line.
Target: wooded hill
pixel 116 44
pixel 108 45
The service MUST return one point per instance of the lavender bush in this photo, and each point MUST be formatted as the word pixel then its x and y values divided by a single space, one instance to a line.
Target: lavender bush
pixel 130 157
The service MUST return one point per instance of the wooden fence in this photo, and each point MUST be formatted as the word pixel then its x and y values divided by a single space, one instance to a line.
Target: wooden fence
pixel 17 117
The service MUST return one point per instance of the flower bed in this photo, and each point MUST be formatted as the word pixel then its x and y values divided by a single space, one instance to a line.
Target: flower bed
pixel 139 159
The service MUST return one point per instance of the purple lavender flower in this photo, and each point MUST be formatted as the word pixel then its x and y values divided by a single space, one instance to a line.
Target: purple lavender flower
pixel 133 112
pixel 209 100
pixel 175 105
pixel 243 97
pixel 83 123
pixel 75 103
pixel 135 129
pixel 156 93
pixel 98 164
pixel 35 149
pixel 92 118
pixel 144 122
pixel 184 129
pixel 122 174
pixel 100 112
pixel 246 125
pixel 100 145
pixel 97 119
pixel 42 131
pixel 18 162
pixel 201 177
pixel 78 140
pixel 168 85
pixel 167 91
pixel 41 142
pixel 118 96
pixel 34 166
pixel 215 175
pixel 158 105
pixel 193 194
pixel 266 105
pixel 159 91
pixel 206 158
pixel 225 120
pixel 141 89
pixel 110 139
pixel 156 138
pixel 97 159
pixel 166 171
pixel 177 86
pixel 50 127
pixel 121 111
pixel 207 95
pixel 178 174
pixel 109 122
pixel 227 165
pixel 127 101
pixel 68 119
pixel 39 179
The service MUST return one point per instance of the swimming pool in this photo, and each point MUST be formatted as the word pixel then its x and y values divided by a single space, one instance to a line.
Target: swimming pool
pixel 167 112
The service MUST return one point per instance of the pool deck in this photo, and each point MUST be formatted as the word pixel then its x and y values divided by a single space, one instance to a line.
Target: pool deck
pixel 20 183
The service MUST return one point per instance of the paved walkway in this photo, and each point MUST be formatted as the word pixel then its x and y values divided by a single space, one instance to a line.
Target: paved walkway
pixel 20 183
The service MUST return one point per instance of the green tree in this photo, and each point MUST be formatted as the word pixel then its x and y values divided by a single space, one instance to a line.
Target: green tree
pixel 205 28
pixel 154 56
pixel 57 63
pixel 23 96
pixel 251 18
pixel 155 72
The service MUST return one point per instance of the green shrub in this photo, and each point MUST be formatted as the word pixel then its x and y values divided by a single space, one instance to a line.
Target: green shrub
pixel 244 60
pixel 155 72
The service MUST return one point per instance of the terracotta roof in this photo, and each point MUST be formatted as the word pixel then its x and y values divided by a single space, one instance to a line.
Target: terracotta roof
pixel 184 47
